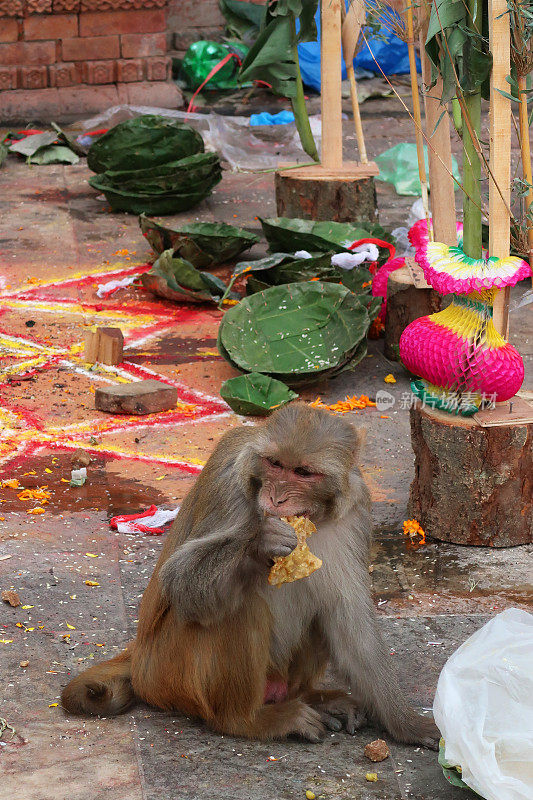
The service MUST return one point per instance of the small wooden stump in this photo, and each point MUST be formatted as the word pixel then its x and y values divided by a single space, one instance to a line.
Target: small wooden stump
pixel 142 397
pixel 473 484
pixel 345 195
pixel 105 345
pixel 405 303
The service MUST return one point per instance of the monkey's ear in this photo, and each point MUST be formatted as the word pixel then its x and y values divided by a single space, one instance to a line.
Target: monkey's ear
pixel 360 442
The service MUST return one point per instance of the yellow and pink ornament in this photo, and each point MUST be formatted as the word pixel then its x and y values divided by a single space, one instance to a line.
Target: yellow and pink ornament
pixel 462 360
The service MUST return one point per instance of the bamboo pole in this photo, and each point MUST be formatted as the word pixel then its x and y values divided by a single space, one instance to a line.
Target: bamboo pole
pixel 351 28
pixel 471 157
pixel 331 80
pixel 525 150
pixel 416 111
pixel 500 150
pixel 442 189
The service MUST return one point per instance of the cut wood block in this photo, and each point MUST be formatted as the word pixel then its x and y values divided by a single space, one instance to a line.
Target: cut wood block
pixel 316 192
pixel 80 458
pixel 90 345
pixel 516 410
pixel 110 346
pixel 405 303
pixel 142 397
pixel 473 484
pixel 105 345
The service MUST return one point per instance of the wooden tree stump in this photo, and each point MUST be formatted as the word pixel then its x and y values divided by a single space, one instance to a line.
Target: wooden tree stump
pixel 473 485
pixel 348 195
pixel 405 303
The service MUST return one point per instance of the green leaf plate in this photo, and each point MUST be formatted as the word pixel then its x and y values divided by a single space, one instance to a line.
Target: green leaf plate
pixel 255 394
pixel 164 203
pixel 287 235
pixel 177 279
pixel 204 244
pixel 296 332
pixel 143 142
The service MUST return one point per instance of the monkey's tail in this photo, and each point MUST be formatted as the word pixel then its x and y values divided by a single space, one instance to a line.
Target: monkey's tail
pixel 104 689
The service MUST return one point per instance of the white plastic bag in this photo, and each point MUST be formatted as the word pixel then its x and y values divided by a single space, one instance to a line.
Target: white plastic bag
pixel 484 708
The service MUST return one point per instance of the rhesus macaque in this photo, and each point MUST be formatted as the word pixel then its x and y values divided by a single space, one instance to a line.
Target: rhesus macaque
pixel 215 641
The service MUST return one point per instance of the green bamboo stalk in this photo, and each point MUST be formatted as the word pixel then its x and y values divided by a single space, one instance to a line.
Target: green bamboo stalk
pixel 472 245
pixel 457 116
pixel 299 108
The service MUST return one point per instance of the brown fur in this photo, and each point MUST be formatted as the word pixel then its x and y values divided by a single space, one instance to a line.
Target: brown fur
pixel 210 637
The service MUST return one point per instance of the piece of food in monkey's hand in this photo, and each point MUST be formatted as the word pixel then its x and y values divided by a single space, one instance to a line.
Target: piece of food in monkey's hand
pixel 301 562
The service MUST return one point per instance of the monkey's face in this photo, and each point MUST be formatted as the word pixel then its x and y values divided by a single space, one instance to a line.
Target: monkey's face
pixel 290 490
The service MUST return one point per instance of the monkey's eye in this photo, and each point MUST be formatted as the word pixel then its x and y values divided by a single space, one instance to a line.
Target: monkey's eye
pixel 274 463
pixel 303 472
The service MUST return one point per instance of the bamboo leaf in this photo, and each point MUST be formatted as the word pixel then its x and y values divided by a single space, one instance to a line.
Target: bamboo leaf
pixel 438 122
pixel 505 94
pixel 458 53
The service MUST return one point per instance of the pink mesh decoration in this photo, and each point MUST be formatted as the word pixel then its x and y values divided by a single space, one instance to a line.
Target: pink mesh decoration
pixel 458 351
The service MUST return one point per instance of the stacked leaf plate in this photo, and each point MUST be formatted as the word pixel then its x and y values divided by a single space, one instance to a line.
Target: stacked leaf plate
pixel 154 165
pixel 295 331
pixel 204 244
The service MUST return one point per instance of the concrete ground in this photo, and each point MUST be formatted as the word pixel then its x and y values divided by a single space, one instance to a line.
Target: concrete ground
pixel 58 242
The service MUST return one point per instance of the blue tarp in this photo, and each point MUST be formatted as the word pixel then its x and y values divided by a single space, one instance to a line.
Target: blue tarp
pixel 390 54
pixel 264 118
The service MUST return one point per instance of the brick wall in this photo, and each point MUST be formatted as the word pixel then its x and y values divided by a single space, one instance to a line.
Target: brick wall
pixel 192 20
pixel 63 57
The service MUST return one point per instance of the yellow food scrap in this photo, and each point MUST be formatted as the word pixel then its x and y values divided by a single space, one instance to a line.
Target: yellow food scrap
pixel 35 494
pixel 389 378
pixel 12 483
pixel 92 583
pixel 371 776
pixel 301 562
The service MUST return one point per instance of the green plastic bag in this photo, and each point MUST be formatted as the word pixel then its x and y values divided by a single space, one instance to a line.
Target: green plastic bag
pixel 202 57
pixel 255 394
pixel 399 165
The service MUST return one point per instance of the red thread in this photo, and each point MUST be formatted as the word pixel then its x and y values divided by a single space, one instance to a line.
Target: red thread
pixel 214 71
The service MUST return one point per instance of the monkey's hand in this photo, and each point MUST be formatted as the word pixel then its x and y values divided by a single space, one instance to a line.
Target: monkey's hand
pixel 276 539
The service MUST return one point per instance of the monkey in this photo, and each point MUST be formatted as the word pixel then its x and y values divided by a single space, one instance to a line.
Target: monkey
pixel 215 641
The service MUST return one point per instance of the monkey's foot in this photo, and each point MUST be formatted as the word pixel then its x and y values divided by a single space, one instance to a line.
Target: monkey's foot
pixel 308 724
pixel 430 734
pixel 338 711
pixel 418 730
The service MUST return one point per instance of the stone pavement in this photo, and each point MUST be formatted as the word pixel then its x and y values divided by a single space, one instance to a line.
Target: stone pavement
pixel 58 242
